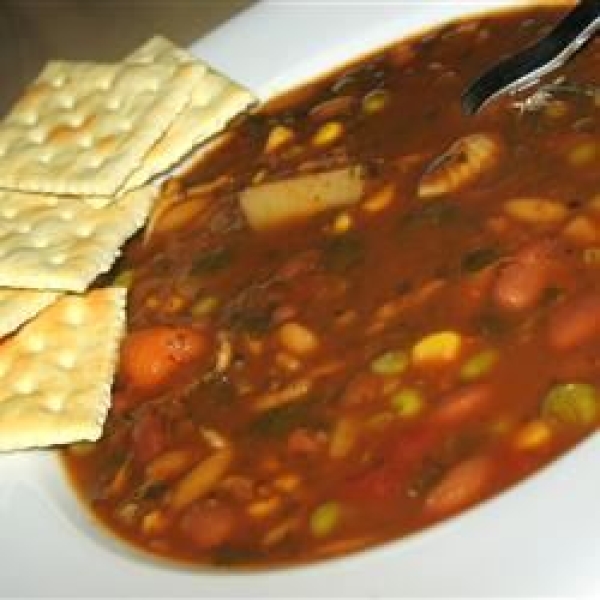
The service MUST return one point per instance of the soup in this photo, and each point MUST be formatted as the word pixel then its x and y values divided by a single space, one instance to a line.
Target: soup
pixel 362 312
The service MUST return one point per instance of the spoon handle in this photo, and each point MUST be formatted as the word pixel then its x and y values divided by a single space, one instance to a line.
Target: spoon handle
pixel 528 66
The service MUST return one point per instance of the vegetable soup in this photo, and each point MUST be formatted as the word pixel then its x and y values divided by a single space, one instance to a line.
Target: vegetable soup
pixel 361 312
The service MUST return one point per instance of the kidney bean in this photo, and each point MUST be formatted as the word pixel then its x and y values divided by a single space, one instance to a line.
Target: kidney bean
pixel 462 405
pixel 521 283
pixel 575 323
pixel 462 485
pixel 378 484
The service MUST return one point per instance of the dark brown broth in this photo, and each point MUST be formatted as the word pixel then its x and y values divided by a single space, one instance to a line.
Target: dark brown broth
pixel 335 284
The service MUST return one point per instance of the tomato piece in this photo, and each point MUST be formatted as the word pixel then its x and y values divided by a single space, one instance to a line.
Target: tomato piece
pixel 402 457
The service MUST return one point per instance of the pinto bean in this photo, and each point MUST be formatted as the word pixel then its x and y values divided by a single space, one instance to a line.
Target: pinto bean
pixel 575 323
pixel 521 284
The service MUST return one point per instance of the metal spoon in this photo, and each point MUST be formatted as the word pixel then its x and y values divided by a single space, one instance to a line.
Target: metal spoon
pixel 526 68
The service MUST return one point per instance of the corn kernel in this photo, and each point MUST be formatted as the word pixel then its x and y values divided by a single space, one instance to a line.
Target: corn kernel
pixel 154 523
pixel 442 346
pixel 328 133
pixel 205 306
pixel 581 229
pixel 263 508
pixel 287 483
pixel 278 136
pixel 152 302
pixel 536 210
pixel 556 109
pixel 533 435
pixel 342 223
pixel 174 303
pixel 381 199
pixel 375 101
pixel 582 154
pixel 297 339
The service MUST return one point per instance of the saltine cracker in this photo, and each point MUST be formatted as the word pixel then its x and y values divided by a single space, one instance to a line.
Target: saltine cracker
pixel 83 128
pixel 214 102
pixel 55 376
pixel 62 243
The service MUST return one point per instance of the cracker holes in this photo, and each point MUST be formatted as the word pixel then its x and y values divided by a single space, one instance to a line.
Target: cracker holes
pixel 84 231
pixel 85 141
pixel 45 158
pixel 103 85
pixel 58 81
pixel 39 242
pixel 66 360
pixel 54 404
pixel 74 316
pixel 24 386
pixel 66 102
pixel 94 162
pixel 36 345
pixel 57 260
pixel 114 104
pixel 76 121
pixel 37 136
pixel 9 212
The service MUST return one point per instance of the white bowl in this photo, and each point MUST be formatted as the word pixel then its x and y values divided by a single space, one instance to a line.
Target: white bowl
pixel 538 538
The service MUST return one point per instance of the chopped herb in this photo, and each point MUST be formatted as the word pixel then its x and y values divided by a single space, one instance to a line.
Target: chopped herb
pixel 478 259
pixel 153 490
pixel 434 214
pixel 212 261
pixel 491 325
pixel 551 295
pixel 254 321
pixel 343 252
pixel 559 87
pixel 281 420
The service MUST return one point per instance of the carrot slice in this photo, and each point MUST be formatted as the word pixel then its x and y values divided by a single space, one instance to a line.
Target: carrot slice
pixel 151 357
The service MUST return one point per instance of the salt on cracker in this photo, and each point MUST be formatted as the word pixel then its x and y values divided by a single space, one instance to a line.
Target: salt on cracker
pixel 214 102
pixel 83 128
pixel 62 243
pixel 56 372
